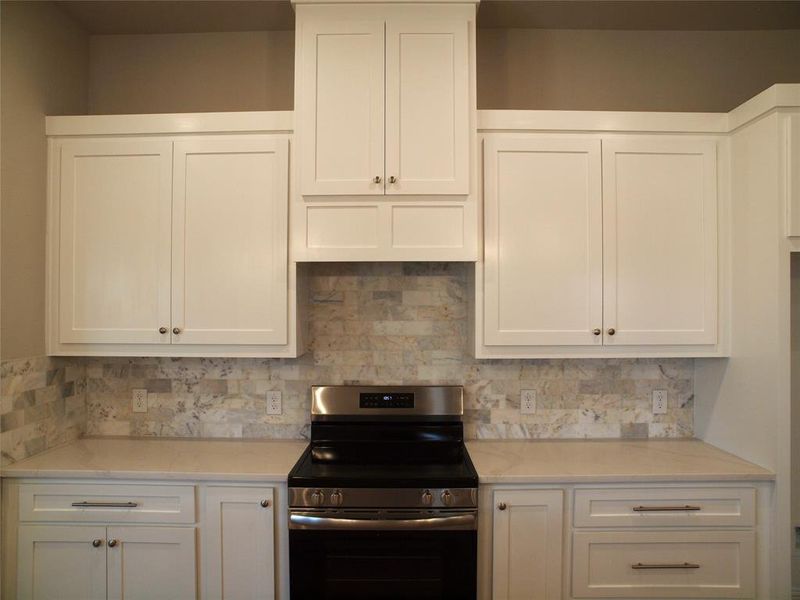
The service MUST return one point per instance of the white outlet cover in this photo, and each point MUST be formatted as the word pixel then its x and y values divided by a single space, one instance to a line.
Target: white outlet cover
pixel 527 402
pixel 659 402
pixel 139 400
pixel 274 403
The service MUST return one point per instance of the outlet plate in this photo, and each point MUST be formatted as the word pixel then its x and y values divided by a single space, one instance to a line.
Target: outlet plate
pixel 139 401
pixel 274 403
pixel 527 402
pixel 659 402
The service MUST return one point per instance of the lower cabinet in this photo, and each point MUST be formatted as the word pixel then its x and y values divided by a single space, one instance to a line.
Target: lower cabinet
pixel 238 543
pixel 527 544
pixel 86 562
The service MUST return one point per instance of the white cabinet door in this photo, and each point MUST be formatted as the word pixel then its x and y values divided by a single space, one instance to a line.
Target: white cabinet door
pixel 341 118
pixel 792 178
pixel 427 106
pixel 527 540
pixel 114 229
pixel 660 241
pixel 61 562
pixel 543 241
pixel 238 543
pixel 230 241
pixel 151 563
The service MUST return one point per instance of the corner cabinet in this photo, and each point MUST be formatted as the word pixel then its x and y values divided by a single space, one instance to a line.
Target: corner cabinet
pixel 170 245
pixel 385 96
pixel 599 246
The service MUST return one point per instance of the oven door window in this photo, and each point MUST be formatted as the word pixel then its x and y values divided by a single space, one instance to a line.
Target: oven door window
pixel 383 565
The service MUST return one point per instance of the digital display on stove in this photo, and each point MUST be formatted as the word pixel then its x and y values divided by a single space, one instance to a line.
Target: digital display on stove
pixel 386 400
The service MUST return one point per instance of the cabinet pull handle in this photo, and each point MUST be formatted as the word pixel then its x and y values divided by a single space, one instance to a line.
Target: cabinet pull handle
pixel 264 503
pixel 105 504
pixel 376 179
pixel 97 543
pixel 112 543
pixel 162 330
pixel 685 565
pixel 502 506
pixel 176 330
pixel 665 508
pixel 392 179
pixel 612 331
pixel 597 331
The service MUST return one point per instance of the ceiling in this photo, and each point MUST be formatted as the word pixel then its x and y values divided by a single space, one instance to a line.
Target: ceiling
pixel 194 16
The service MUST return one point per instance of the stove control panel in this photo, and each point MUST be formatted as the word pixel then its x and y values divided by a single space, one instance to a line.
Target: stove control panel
pixel 300 497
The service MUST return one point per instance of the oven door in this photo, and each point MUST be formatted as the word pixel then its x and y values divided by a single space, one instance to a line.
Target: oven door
pixel 341 556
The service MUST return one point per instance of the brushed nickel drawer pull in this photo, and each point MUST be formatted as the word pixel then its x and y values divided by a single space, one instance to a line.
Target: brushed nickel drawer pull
pixel 665 508
pixel 105 504
pixel 685 565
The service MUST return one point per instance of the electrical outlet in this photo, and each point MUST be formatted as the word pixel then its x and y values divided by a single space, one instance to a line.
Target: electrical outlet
pixel 659 402
pixel 527 402
pixel 274 403
pixel 139 401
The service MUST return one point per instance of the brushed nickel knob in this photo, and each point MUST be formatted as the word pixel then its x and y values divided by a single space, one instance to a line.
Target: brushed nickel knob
pixel 447 498
pixel 597 331
pixel 337 497
pixel 176 330
pixel 502 506
pixel 376 179
pixel 112 543
pixel 317 497
pixel 427 498
pixel 162 330
pixel 392 179
pixel 612 331
pixel 97 543
pixel 265 503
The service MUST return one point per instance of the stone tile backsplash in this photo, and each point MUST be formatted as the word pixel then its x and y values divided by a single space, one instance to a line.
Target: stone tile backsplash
pixel 389 323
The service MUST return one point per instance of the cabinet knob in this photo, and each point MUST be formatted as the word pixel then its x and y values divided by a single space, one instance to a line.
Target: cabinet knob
pixel 97 543
pixel 162 330
pixel 265 503
pixel 176 330
pixel 502 506
pixel 612 331
pixel 112 543
pixel 376 179
pixel 392 179
pixel 597 331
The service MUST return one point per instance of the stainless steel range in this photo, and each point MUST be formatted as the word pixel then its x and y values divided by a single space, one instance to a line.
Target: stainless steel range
pixel 383 503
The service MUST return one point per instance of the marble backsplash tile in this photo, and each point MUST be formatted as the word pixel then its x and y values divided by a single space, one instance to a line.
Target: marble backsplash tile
pixel 389 323
pixel 42 405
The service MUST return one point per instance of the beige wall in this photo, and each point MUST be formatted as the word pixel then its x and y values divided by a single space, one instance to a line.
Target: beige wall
pixel 44 65
pixel 631 70
pixel 196 72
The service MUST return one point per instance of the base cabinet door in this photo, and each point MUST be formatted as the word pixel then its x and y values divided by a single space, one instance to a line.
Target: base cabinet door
pixel 150 563
pixel 61 562
pixel 238 543
pixel 527 544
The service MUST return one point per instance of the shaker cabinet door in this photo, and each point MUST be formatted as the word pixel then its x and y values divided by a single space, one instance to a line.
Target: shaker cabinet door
pixel 543 242
pixel 230 241
pixel 114 239
pixel 660 241
pixel 342 124
pixel 427 106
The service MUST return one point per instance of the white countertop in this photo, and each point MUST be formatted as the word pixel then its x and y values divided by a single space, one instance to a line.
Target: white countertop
pixel 540 461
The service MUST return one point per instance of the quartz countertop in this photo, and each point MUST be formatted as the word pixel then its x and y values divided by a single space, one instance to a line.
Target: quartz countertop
pixel 586 461
pixel 533 461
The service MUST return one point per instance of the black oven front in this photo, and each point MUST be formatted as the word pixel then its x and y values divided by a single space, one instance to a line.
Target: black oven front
pixel 383 555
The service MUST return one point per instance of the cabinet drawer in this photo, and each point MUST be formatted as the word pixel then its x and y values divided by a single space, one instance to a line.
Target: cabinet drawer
pixel 107 503
pixel 659 564
pixel 664 507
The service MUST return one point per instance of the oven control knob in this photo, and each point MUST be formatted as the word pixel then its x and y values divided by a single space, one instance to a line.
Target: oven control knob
pixel 427 498
pixel 317 497
pixel 336 498
pixel 447 498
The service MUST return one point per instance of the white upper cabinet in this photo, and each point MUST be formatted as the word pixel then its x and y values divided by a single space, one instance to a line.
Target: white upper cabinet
pixel 114 224
pixel 543 241
pixel 230 241
pixel 427 106
pixel 343 107
pixel 791 161
pixel 660 242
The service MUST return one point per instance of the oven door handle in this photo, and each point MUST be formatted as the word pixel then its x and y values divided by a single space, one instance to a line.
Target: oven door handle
pixel 306 521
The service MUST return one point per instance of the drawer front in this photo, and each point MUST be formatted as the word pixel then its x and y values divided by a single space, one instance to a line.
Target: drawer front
pixel 665 507
pixel 107 503
pixel 659 564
